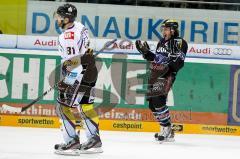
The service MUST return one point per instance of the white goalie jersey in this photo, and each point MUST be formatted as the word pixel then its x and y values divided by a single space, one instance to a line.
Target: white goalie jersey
pixel 73 42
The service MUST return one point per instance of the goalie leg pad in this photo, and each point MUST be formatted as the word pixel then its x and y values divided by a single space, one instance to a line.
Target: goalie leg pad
pixel 68 126
pixel 91 120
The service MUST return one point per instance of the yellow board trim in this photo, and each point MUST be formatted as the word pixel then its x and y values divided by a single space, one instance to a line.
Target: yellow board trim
pixel 121 125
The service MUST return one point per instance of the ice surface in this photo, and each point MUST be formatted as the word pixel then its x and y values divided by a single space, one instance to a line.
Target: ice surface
pixel 36 143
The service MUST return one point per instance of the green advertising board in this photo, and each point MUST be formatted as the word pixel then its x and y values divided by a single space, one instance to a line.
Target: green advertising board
pixel 198 87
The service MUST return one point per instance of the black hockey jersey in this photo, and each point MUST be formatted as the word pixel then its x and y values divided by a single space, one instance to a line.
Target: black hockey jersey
pixel 171 52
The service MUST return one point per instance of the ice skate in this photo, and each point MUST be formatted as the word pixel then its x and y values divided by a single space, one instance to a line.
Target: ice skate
pixel 166 134
pixel 93 145
pixel 71 148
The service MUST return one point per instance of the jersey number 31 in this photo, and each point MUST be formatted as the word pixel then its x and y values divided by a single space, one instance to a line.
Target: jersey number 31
pixel 70 50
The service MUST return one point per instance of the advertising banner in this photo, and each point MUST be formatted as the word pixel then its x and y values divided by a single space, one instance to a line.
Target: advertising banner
pixel 198 96
pixel 8 41
pixel 121 46
pixel 37 42
pixel 121 125
pixel 131 22
pixel 214 51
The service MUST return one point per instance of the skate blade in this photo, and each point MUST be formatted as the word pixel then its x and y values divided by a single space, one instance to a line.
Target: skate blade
pixel 68 152
pixel 167 140
pixel 92 151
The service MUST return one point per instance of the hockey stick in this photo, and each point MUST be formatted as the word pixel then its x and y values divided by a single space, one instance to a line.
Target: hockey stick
pixel 22 109
pixel 106 46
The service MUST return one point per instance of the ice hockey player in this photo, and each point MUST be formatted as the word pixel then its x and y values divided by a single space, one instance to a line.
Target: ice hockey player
pixel 77 87
pixel 164 65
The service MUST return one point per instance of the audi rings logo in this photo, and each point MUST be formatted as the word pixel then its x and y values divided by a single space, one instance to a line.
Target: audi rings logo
pixel 222 51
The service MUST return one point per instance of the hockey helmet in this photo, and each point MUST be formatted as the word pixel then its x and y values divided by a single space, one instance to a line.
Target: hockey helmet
pixel 67 11
pixel 173 24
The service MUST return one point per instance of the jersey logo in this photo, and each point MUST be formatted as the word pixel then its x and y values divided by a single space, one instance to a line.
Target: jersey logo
pixel 178 43
pixel 161 50
pixel 69 35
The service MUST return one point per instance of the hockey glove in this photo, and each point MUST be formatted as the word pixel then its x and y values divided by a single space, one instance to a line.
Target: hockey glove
pixel 144 50
pixel 62 86
pixel 89 51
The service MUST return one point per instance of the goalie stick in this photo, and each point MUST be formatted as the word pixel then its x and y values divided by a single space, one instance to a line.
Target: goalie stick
pixel 22 109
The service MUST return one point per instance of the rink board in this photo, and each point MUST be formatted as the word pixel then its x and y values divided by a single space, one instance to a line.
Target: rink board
pixel 121 125
pixel 203 93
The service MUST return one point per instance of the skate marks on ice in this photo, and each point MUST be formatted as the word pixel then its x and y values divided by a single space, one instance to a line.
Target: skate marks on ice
pixel 36 143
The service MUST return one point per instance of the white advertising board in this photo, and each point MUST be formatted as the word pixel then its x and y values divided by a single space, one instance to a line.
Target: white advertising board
pixel 121 46
pixel 131 22
pixel 8 41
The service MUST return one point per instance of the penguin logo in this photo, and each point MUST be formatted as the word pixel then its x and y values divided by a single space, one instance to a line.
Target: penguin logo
pixel 70 9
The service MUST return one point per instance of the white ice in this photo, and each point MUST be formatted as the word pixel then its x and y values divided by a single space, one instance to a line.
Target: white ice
pixel 36 143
